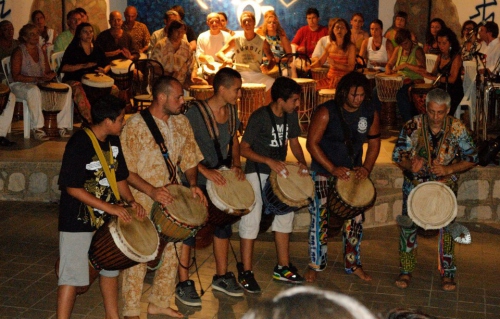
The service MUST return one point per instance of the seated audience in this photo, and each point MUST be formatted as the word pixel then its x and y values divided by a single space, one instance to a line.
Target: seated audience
pixel 138 30
pixel 46 35
pixel 376 50
pixel 190 35
pixel 7 42
pixel 431 43
pixel 399 21
pixel 470 42
pixel 115 42
pixel 321 45
pixel 73 19
pixel 307 37
pixel 29 67
pixel 490 46
pixel 85 18
pixel 358 35
pixel 223 21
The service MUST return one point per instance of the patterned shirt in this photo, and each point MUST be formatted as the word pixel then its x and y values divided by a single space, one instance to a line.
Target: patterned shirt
pixel 140 34
pixel 143 155
pixel 175 63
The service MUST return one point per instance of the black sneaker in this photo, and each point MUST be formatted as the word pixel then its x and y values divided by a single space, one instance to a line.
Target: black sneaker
pixel 247 281
pixel 227 284
pixel 186 293
pixel 288 274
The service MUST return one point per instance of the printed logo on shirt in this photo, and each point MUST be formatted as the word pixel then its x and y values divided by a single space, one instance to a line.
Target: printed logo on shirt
pixel 274 140
pixel 362 125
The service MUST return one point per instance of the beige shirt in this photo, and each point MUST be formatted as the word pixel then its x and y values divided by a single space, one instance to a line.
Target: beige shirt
pixel 143 155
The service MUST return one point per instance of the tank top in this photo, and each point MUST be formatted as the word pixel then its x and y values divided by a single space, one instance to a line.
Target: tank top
pixel 249 52
pixel 29 66
pixel 379 55
pixel 410 59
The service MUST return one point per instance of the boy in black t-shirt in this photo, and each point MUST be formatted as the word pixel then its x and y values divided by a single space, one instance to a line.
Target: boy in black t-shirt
pixel 265 145
pixel 87 202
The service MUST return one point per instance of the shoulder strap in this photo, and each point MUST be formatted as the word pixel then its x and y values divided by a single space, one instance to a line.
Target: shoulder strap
pixel 346 131
pixel 155 131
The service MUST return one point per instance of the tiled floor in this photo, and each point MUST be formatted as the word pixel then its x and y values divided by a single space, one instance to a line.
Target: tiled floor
pixel 28 250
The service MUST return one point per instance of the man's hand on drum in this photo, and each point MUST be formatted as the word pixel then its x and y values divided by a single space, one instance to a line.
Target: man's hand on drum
pixel 199 81
pixel 162 195
pixel 140 212
pixel 264 69
pixel 198 193
pixel 440 170
pixel 100 70
pixel 121 212
pixel 278 166
pixel 215 176
pixel 361 172
pixel 303 171
pixel 341 172
pixel 238 172
pixel 417 163
pixel 88 65
pixel 126 53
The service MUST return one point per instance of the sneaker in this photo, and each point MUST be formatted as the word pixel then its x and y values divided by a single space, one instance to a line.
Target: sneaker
pixel 247 281
pixel 227 284
pixel 288 274
pixel 64 133
pixel 40 135
pixel 186 293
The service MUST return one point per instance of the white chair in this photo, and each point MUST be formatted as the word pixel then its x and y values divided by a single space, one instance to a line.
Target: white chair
pixel 430 60
pixel 55 63
pixel 469 99
pixel 26 110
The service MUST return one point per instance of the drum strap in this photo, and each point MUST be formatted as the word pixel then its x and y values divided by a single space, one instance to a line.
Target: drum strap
pixel 155 131
pixel 213 130
pixel 108 167
pixel 347 133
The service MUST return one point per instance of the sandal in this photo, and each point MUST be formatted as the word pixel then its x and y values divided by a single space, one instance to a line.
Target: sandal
pixel 403 281
pixel 40 135
pixel 448 284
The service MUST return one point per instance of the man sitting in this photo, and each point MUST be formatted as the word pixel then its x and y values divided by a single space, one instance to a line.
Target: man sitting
pixel 138 30
pixel 115 42
pixel 307 36
pixel 73 19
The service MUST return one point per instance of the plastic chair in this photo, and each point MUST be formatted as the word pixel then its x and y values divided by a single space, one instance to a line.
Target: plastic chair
pixel 469 99
pixel 26 111
pixel 430 60
pixel 147 71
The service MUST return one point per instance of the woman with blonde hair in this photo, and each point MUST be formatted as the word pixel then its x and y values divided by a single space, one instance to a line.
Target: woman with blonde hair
pixel 275 35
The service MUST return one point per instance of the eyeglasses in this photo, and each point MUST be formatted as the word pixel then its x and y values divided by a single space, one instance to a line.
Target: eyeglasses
pixel 468 29
pixel 33 34
pixel 339 27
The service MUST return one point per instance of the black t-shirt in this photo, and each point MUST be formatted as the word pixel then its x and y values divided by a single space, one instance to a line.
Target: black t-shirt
pixel 75 54
pixel 81 169
pixel 263 140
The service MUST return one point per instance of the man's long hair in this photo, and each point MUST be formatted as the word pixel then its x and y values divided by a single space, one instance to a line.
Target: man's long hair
pixel 348 81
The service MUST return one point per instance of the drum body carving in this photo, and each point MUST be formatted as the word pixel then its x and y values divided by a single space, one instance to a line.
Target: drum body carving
pixel 418 94
pixel 180 219
pixel 347 199
pixel 230 201
pixel 4 96
pixel 307 101
pixel 387 88
pixel 201 92
pixel 252 97
pixel 325 95
pixel 319 73
pixel 96 86
pixel 283 195
pixel 118 245
pixel 432 205
pixel 53 98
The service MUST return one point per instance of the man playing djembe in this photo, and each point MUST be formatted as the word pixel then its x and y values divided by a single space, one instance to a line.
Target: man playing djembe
pixel 431 147
pixel 335 141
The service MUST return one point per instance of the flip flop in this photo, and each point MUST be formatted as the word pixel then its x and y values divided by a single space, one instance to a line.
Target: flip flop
pixel 403 281
pixel 448 284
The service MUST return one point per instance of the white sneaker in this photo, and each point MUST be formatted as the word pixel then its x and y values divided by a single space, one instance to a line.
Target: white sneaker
pixel 40 135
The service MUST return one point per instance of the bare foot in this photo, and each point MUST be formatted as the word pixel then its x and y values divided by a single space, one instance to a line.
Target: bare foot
pixel 448 284
pixel 362 274
pixel 403 281
pixel 155 310
pixel 310 275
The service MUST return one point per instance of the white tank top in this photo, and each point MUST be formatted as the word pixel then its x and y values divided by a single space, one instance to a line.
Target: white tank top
pixel 249 52
pixel 378 56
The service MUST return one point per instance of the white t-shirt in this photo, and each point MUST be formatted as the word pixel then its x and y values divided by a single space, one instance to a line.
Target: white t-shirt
pixel 320 48
pixel 492 51
pixel 209 44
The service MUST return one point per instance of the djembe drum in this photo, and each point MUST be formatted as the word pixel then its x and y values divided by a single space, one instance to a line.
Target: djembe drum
pixel 319 73
pixel 4 96
pixel 201 92
pixel 123 80
pixel 53 98
pixel 96 85
pixel 432 205
pixel 285 194
pixel 387 88
pixel 349 198
pixel 252 97
pixel 307 101
pixel 325 95
pixel 418 94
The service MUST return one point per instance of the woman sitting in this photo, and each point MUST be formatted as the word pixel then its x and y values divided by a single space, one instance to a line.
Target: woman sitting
pixel 448 67
pixel 276 37
pixel 30 66
pixel 81 57
pixel 341 55
pixel 358 35
pixel 399 22
pixel 431 45
pixel 409 60
pixel 469 37
pixel 376 50
pixel 47 35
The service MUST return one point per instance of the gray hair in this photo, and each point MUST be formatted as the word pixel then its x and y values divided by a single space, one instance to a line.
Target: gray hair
pixel 438 96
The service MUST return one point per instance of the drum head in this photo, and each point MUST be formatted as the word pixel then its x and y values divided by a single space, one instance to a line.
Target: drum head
pixel 97 80
pixel 54 87
pixel 303 80
pixel 253 86
pixel 201 87
pixel 327 92
pixel 140 235
pixel 235 194
pixel 356 192
pixel 120 66
pixel 295 187
pixel 185 208
pixel 432 205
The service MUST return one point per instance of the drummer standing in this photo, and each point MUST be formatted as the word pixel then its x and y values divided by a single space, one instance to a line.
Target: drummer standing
pixel 87 201
pixel 335 141
pixel 265 143
pixel 148 177
pixel 227 88
pixel 426 150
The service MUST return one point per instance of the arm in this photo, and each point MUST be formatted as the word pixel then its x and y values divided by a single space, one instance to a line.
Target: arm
pixel 285 42
pixel 299 155
pixel 419 67
pixel 389 48
pixel 318 63
pixel 373 149
pixel 297 41
pixel 392 62
pixel 236 165
pixel 363 52
pixel 127 196
pixel 246 151
pixel 269 54
pixel 158 194
pixel 191 176
pixel 456 66
pixel 225 49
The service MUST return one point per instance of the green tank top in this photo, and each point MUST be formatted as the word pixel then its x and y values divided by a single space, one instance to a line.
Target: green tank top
pixel 410 59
